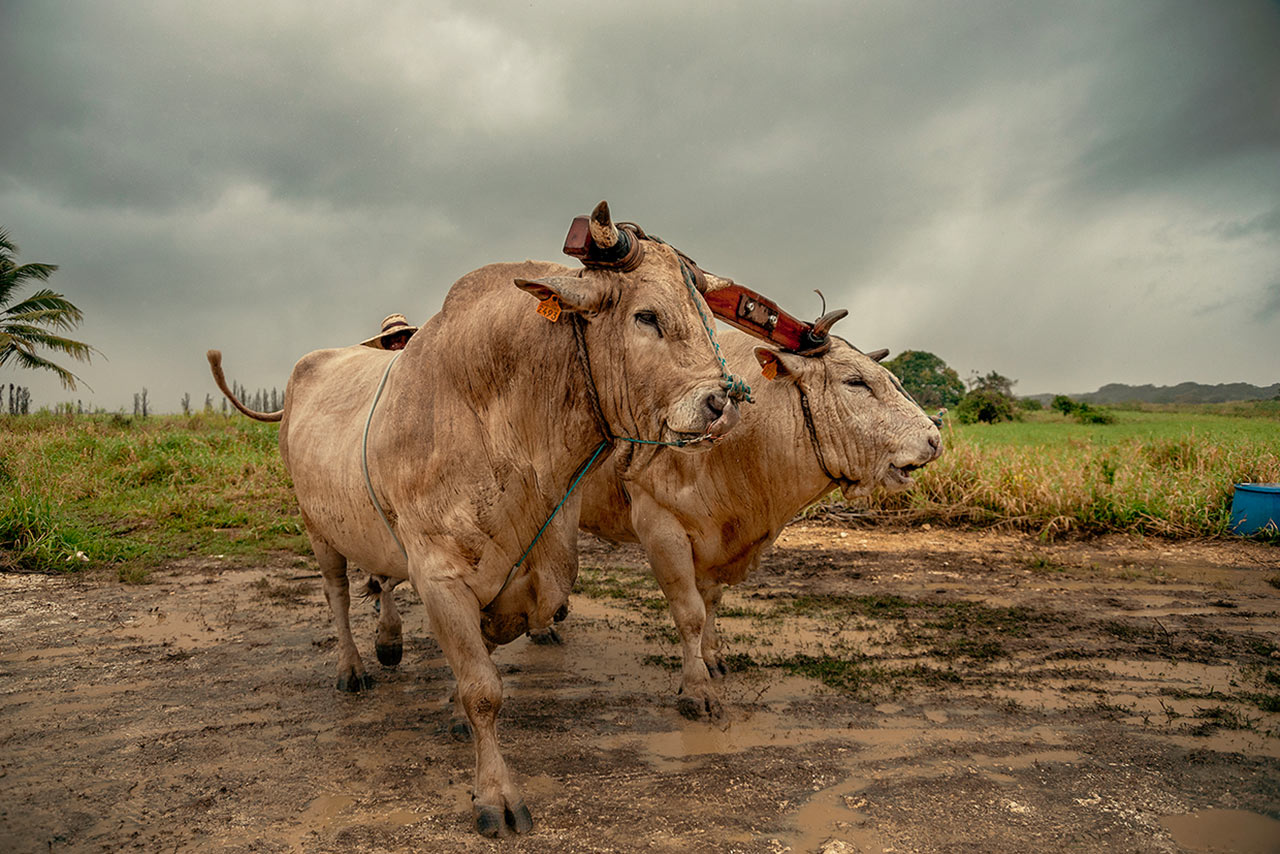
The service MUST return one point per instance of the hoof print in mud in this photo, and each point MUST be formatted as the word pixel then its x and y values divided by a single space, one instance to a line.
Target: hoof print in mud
pixel 354 684
pixel 690 707
pixel 389 654
pixel 546 637
pixel 495 822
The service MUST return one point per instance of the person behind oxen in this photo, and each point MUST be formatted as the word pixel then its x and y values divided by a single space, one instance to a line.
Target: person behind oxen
pixel 395 334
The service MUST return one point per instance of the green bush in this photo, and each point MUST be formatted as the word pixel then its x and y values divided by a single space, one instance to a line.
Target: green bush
pixel 986 406
pixel 1086 414
pixel 1063 404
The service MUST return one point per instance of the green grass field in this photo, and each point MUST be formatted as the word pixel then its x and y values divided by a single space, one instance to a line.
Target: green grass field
pixel 131 493
pixel 134 492
pixel 1168 473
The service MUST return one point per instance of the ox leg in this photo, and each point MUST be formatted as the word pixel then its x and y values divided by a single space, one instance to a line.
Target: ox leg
pixel 459 728
pixel 497 805
pixel 389 643
pixel 548 635
pixel 711 593
pixel 333 568
pixel 671 557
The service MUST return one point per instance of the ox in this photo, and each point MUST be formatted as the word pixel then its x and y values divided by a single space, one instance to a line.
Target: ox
pixel 481 425
pixel 833 419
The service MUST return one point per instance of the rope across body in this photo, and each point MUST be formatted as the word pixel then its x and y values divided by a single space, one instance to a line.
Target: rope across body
pixel 736 389
pixel 364 459
pixel 368 482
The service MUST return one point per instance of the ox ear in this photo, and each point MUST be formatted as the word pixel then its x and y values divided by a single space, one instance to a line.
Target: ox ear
pixel 877 355
pixel 582 296
pixel 775 365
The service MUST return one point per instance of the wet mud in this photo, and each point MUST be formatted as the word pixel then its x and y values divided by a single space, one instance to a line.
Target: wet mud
pixel 911 690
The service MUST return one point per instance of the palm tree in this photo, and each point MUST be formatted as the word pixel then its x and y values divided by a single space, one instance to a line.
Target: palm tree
pixel 35 321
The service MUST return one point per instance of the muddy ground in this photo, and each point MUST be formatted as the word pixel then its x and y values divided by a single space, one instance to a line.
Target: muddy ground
pixel 894 690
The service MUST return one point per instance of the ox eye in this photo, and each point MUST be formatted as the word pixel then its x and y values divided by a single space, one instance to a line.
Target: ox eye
pixel 857 382
pixel 649 318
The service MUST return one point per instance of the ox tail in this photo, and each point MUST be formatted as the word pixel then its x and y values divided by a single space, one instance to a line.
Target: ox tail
pixel 372 588
pixel 215 365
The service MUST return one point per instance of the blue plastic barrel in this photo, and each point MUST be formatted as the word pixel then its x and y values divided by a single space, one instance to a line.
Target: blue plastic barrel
pixel 1254 507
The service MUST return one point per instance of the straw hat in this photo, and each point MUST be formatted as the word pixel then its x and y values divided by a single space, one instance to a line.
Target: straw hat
pixel 393 324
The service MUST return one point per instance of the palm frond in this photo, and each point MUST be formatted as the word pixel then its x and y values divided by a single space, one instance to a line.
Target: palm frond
pixel 14 275
pixel 47 308
pixel 27 338
pixel 30 360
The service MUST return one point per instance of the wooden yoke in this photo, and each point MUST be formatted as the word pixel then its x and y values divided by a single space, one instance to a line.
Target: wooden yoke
pixel 761 317
pixel 740 307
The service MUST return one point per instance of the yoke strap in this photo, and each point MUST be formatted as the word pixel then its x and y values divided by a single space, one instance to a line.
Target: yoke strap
pixel 364 459
pixel 813 438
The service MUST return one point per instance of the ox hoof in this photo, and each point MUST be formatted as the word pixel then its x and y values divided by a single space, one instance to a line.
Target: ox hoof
pixel 355 683
pixel 389 654
pixel 546 637
pixel 495 822
pixel 460 730
pixel 694 708
pixel 561 613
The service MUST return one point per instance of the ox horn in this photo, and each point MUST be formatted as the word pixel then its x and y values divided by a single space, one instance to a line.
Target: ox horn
pixel 822 326
pixel 712 282
pixel 877 355
pixel 603 232
pixel 815 341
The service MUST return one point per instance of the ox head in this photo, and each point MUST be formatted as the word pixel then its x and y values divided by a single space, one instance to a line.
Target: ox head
pixel 868 430
pixel 650 356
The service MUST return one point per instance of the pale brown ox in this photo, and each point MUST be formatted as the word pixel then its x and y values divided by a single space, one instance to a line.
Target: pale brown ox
pixel 706 522
pixel 483 422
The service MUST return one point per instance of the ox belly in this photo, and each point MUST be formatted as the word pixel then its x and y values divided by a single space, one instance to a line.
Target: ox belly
pixel 321 442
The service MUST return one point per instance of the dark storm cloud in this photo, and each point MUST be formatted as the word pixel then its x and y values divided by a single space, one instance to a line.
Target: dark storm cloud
pixel 992 181
pixel 1185 86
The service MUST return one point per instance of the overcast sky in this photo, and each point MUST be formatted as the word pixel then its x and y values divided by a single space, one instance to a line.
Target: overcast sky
pixel 1070 193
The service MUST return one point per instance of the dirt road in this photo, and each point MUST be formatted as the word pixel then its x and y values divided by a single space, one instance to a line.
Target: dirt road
pixel 894 690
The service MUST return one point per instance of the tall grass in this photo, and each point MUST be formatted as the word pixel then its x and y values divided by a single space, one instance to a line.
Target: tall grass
pixel 80 491
pixel 85 490
pixel 1168 474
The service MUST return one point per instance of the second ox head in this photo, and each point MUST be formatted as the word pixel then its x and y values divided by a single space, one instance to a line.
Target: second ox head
pixel 868 431
pixel 650 356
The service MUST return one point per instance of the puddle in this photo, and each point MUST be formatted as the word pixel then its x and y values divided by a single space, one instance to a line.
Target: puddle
pixel 173 628
pixel 670 750
pixel 833 814
pixel 1224 832
pixel 328 813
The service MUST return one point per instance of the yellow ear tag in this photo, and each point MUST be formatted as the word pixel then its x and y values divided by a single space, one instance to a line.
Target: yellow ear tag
pixel 549 308
pixel 770 370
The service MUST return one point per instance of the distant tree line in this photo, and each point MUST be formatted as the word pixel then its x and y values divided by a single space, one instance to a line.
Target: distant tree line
pixel 984 398
pixel 261 400
pixel 19 399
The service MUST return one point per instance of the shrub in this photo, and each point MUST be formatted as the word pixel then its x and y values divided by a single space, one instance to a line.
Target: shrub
pixel 1063 404
pixel 986 406
pixel 1086 414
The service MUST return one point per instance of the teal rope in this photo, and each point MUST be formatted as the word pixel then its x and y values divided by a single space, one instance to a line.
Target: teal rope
pixel 364 458
pixel 737 389
pixel 581 474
